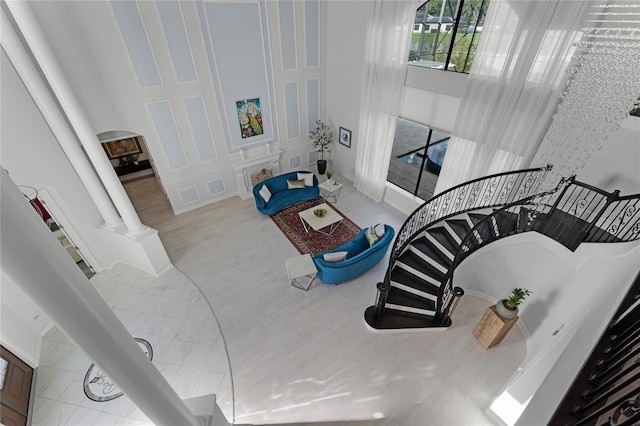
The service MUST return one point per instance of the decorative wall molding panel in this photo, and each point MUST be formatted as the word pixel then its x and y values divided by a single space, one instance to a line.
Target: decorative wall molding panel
pixel 292 108
pixel 216 187
pixel 168 132
pixel 242 70
pixel 287 18
pixel 312 32
pixel 135 37
pixel 177 39
pixel 202 122
pixel 189 195
pixel 295 162
pixel 200 127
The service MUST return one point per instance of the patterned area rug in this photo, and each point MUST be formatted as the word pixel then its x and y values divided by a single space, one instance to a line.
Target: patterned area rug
pixel 313 242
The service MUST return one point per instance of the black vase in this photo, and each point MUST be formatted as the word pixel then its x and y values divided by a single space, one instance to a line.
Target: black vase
pixel 322 166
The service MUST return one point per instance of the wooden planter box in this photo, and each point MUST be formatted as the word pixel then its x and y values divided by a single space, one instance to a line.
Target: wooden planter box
pixel 492 328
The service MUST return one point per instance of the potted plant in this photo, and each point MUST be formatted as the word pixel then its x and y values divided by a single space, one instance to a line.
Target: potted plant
pixel 321 139
pixel 508 308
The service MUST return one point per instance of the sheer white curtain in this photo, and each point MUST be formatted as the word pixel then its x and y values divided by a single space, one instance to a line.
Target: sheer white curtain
pixel 386 52
pixel 514 87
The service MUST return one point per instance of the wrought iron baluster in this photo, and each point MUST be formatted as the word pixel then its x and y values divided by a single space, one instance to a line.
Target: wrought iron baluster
pixel 627 220
pixel 461 198
pixel 587 418
pixel 629 409
pixel 607 384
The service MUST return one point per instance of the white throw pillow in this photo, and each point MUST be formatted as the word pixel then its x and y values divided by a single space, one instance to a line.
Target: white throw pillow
pixel 337 256
pixel 265 193
pixel 308 178
pixel 371 236
pixel 379 229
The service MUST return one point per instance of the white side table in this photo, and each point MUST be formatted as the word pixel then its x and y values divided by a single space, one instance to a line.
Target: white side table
pixel 330 190
pixel 299 268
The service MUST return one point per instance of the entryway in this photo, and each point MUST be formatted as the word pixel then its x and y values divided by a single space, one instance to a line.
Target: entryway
pixel 15 388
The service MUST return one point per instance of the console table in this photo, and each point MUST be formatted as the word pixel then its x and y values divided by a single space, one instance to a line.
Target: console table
pixel 132 168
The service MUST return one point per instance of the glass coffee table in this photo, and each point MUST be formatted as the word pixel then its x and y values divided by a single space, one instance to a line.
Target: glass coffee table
pixel 330 219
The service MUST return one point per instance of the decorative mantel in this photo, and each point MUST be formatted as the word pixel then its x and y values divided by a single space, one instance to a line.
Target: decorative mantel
pixel 245 168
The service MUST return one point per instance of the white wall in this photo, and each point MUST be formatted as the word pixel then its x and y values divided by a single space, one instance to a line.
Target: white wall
pixel 617 164
pixel 556 383
pixel 32 156
pixel 95 58
pixel 432 97
pixel 567 289
pixel 22 322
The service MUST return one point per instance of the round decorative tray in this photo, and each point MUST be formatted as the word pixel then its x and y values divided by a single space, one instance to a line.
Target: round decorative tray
pixel 320 212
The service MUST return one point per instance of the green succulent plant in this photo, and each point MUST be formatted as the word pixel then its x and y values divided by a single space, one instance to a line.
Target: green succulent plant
pixel 517 296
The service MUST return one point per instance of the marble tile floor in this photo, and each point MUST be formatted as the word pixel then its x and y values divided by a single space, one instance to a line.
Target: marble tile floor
pixel 170 313
pixel 306 357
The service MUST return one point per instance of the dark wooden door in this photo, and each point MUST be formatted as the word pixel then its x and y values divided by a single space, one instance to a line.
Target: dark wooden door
pixel 16 389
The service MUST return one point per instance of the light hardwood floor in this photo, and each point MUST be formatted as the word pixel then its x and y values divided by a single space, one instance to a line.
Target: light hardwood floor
pixel 303 357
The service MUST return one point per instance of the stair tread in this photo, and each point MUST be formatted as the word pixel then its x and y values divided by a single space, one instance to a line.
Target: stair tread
pixel 404 277
pixel 400 320
pixel 507 222
pixel 476 217
pixel 402 298
pixel 444 237
pixel 411 259
pixel 428 248
pixel 460 227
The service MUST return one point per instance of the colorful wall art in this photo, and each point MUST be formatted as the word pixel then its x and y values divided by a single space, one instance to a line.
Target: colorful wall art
pixel 249 117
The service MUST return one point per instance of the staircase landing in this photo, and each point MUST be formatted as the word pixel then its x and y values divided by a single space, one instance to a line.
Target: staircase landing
pixel 406 321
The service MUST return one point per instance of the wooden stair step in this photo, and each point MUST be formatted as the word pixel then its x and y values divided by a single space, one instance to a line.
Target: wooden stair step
pixel 413 260
pixel 402 298
pixel 429 249
pixel 404 277
pixel 444 238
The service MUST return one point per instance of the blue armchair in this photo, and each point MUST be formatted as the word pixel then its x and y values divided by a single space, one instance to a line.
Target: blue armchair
pixel 281 196
pixel 360 258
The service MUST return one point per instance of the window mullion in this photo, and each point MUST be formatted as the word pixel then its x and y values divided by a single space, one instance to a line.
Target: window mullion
pixel 454 32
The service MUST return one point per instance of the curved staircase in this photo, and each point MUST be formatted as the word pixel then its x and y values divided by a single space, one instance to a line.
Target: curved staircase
pixel 418 292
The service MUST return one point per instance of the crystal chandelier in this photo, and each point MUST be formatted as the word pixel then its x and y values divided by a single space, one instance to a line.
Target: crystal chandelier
pixel 602 87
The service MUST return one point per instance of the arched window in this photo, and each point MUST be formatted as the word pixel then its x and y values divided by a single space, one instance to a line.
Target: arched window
pixel 446 33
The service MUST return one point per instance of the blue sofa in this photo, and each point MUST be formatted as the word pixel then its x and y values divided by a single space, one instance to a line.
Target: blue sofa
pixel 360 258
pixel 281 196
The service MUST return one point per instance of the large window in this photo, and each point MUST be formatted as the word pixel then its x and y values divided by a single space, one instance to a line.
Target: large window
pixel 446 33
pixel 416 158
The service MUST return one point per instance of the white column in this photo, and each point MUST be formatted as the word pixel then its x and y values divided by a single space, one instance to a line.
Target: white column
pixel 39 91
pixel 37 42
pixel 37 263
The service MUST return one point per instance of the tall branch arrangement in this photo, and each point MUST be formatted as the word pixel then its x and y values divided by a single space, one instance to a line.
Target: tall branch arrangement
pixel 322 137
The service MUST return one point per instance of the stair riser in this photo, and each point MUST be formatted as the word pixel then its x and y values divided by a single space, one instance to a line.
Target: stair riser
pixel 414 291
pixel 429 260
pixel 439 246
pixel 418 274
pixel 411 310
pixel 453 233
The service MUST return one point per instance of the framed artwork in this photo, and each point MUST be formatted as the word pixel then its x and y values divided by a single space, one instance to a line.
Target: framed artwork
pixel 122 148
pixel 344 137
pixel 249 117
